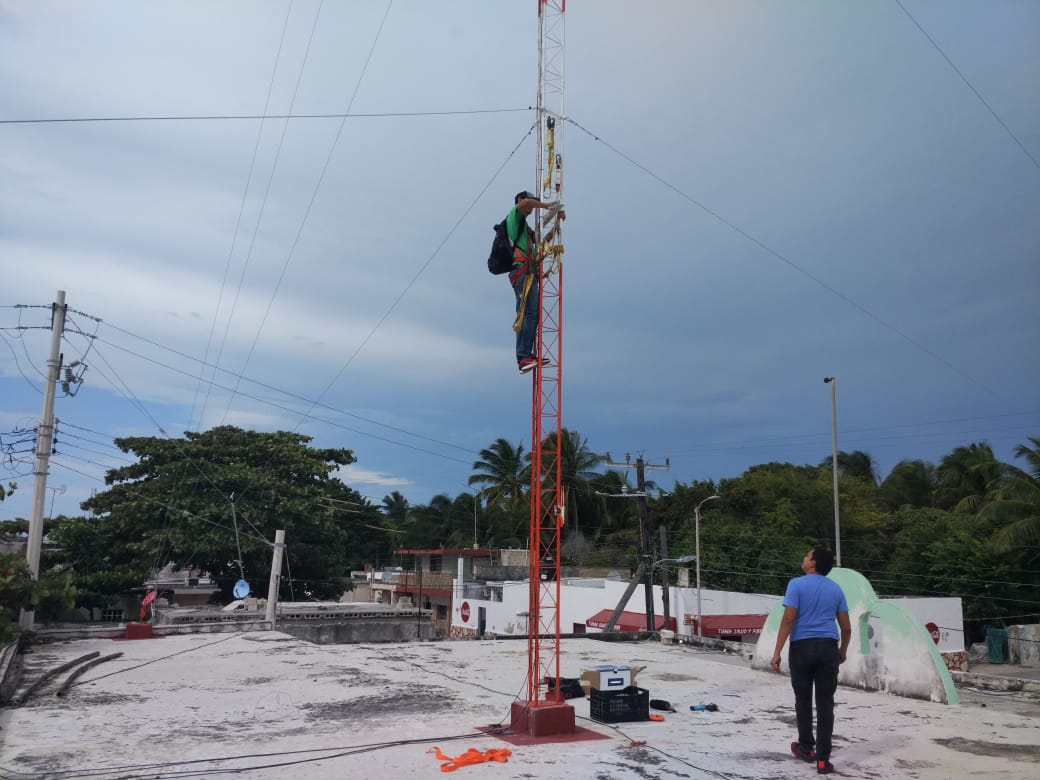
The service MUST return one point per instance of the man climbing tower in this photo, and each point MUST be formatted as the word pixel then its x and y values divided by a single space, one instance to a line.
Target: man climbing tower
pixel 524 277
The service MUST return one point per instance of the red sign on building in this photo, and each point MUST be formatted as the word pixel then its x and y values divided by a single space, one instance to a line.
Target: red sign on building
pixel 933 630
pixel 464 610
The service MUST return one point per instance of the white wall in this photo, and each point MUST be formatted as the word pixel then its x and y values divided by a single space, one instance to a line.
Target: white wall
pixel 580 599
pixel 945 614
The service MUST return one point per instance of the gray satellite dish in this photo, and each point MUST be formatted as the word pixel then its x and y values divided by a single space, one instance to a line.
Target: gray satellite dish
pixel 241 589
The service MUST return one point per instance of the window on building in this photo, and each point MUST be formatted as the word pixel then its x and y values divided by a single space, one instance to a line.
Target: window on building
pixel 442 612
pixel 435 563
pixel 112 615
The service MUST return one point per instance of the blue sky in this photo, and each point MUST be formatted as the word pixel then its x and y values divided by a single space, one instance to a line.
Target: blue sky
pixel 759 195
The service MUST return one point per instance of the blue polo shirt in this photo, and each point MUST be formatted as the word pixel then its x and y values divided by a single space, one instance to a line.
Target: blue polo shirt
pixel 818 600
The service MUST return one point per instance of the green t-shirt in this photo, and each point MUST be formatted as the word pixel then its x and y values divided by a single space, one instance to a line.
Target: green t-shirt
pixel 516 228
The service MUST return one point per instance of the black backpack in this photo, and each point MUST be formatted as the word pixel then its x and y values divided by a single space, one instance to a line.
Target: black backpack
pixel 500 260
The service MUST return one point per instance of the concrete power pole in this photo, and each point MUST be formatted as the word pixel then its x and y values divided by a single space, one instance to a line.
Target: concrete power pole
pixel 276 577
pixel 645 536
pixel 44 443
pixel 665 585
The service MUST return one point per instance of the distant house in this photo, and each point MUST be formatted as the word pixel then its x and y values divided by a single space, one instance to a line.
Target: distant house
pixel 188 587
pixel 425 580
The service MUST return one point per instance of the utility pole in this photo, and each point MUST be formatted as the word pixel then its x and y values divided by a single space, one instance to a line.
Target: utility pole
pixel 645 536
pixel 833 382
pixel 44 443
pixel 665 597
pixel 276 576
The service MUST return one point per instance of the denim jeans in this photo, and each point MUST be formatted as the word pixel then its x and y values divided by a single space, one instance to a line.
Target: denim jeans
pixel 529 327
pixel 814 664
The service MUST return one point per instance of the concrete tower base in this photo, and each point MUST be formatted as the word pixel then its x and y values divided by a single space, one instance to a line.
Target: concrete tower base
pixel 543 720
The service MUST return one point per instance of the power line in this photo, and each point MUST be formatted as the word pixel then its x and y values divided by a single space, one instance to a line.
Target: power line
pixel 424 266
pixel 234 117
pixel 241 210
pixel 787 261
pixel 19 365
pixel 297 411
pixel 310 203
pixel 66 434
pixel 265 386
pixel 260 216
pixel 811 440
pixel 89 430
pixel 137 402
pixel 964 78
pixel 63 444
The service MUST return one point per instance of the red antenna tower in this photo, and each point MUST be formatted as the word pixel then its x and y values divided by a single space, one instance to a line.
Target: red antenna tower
pixel 544 711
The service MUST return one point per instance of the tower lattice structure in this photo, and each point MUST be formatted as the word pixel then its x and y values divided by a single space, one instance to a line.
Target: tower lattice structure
pixel 547 495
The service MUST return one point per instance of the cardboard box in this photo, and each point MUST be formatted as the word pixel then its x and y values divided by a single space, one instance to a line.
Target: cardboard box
pixel 608 677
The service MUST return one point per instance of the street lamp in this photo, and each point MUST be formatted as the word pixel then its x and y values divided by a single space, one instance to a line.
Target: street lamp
pixel 830 380
pixel 697 537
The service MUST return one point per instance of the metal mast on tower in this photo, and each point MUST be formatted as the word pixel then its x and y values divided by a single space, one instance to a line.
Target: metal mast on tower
pixel 544 711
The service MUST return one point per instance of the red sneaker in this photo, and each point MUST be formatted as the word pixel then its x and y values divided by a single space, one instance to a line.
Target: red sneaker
pixel 799 752
pixel 528 363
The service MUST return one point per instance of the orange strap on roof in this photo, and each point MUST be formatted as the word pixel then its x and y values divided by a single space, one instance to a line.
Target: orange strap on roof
pixel 471 756
pixel 658 718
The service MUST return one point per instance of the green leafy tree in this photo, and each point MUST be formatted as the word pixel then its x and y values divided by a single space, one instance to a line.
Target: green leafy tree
pixel 857 464
pixel 791 499
pixel 502 527
pixel 910 483
pixel 183 499
pixel 48 595
pixel 429 525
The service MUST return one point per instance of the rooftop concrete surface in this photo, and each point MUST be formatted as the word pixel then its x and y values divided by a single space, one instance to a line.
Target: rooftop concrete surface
pixel 266 705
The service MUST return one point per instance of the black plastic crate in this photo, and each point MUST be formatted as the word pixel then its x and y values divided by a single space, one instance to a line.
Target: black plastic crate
pixel 630 704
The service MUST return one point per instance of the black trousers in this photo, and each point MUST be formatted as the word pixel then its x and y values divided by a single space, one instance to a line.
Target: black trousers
pixel 814 665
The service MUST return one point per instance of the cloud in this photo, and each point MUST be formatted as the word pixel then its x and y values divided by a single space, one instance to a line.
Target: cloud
pixel 880 226
pixel 357 478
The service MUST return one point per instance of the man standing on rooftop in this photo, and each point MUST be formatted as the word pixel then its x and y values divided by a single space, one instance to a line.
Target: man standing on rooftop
pixel 811 605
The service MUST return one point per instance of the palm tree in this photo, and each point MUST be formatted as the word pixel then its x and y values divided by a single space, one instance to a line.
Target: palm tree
pixel 857 464
pixel 431 524
pixel 578 466
pixel 1017 498
pixel 503 473
pixel 911 482
pixel 395 508
pixel 966 475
